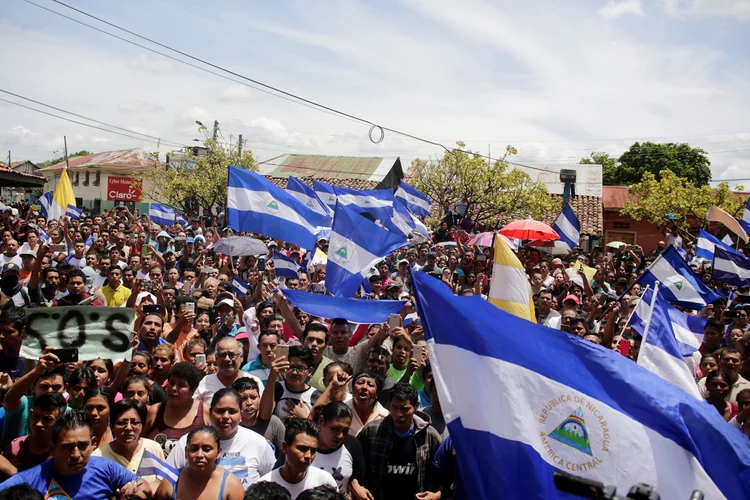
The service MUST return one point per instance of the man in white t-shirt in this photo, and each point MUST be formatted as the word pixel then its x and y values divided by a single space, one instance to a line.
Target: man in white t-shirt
pixel 78 259
pixel 228 360
pixel 299 448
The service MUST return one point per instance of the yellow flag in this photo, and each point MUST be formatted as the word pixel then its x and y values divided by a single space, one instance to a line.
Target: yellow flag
pixel 509 288
pixel 63 197
pixel 590 272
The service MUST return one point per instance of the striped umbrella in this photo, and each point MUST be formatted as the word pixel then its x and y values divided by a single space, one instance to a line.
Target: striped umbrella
pixel 481 240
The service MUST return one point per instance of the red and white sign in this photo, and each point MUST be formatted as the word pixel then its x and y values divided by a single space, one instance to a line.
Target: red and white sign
pixel 123 188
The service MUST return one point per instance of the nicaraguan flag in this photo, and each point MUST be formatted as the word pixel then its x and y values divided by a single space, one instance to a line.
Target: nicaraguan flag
pixel 239 286
pixel 706 244
pixel 745 222
pixel 376 202
pixel 44 236
pixel 568 227
pixel 285 266
pixel 731 267
pixel 400 221
pixel 660 352
pixel 680 285
pixel 727 240
pixel 257 206
pixel 354 310
pixel 179 219
pixel 74 212
pixel 161 214
pixel 306 195
pixel 325 193
pixel 151 465
pixel 356 244
pixel 416 202
pixel 688 329
pixel 566 404
pixel 45 203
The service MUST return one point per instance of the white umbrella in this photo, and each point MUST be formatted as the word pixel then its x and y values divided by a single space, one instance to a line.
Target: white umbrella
pixel 237 246
pixel 616 244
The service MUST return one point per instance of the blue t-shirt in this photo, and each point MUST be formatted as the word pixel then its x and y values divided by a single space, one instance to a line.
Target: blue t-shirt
pixel 98 481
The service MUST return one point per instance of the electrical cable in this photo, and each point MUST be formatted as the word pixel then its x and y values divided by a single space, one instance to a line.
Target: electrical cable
pixel 154 141
pixel 165 141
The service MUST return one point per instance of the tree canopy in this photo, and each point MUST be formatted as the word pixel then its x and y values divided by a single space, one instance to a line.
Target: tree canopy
pixel 684 160
pixel 657 199
pixel 490 191
pixel 201 177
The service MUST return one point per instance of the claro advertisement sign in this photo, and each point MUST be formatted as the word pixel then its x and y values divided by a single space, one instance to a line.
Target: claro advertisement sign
pixel 123 188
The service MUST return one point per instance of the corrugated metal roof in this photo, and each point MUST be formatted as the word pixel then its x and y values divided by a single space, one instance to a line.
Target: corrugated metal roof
pixel 126 159
pixel 347 183
pixel 328 167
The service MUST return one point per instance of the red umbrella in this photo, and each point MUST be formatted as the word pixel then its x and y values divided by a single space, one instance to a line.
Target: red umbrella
pixel 529 229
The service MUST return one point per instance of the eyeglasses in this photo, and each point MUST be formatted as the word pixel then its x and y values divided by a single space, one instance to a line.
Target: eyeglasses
pixel 227 354
pixel 297 369
pixel 124 423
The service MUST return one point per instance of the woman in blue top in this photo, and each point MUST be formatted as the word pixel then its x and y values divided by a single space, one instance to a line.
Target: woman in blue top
pixel 201 479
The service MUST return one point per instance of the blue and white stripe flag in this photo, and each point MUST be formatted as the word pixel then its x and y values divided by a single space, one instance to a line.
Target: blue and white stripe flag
pixel 179 219
pixel 706 244
pixel 680 285
pixel 356 244
pixel 239 286
pixel 257 206
pixel 376 202
pixel 151 465
pixel 404 222
pixel 45 202
pixel 285 266
pixel 306 195
pixel 745 222
pixel 354 310
pixel 660 352
pixel 731 267
pixel 44 236
pixel 567 404
pixel 415 201
pixel 687 329
pixel 73 212
pixel 568 227
pixel 325 193
pixel 161 214
pixel 727 240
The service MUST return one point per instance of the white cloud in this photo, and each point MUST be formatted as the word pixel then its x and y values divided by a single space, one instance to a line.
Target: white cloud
pixel 737 9
pixel 237 92
pixel 615 9
pixel 139 107
pixel 152 64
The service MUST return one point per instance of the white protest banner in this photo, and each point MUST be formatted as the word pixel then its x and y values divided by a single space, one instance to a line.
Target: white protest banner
pixel 97 332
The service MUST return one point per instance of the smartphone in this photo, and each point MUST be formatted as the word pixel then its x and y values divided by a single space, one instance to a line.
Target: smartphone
pixel 625 347
pixel 190 306
pixel 281 350
pixel 58 248
pixel 147 285
pixel 67 355
pixel 419 352
pixel 206 270
pixel 481 257
pixel 200 359
pixel 394 320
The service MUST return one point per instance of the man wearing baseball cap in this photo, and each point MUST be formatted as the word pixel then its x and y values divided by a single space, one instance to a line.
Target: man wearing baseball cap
pixel 10 285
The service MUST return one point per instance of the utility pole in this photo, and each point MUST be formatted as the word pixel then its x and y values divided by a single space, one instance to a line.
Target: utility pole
pixel 216 130
pixel 65 139
pixel 239 146
pixel 8 159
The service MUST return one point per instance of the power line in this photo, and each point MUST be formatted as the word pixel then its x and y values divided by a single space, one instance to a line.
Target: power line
pixel 158 139
pixel 83 124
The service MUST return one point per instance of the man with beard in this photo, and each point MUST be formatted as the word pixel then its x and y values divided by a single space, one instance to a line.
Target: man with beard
pixel 315 338
pixel 77 295
pixel 44 291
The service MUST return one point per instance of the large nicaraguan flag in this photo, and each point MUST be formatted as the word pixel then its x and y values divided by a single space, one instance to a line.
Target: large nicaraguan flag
pixel 356 244
pixel 257 206
pixel 688 330
pixel 416 202
pixel 660 352
pixel 522 401
pixel 680 285
pixel 731 267
pixel 568 227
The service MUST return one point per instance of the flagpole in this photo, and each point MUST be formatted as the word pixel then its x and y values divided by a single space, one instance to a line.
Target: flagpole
pixel 648 321
pixel 65 140
pixel 492 256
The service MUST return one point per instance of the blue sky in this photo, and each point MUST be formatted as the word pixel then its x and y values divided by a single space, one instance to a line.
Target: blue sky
pixel 555 79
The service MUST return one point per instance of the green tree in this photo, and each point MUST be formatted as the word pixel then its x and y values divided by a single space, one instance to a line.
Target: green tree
pixel 609 166
pixel 491 191
pixel 682 159
pixel 55 161
pixel 657 199
pixel 199 174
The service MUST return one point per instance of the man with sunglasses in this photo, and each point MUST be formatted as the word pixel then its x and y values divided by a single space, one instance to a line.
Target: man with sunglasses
pixel 228 360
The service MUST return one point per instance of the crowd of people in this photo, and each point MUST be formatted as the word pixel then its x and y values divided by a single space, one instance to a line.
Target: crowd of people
pixel 245 395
